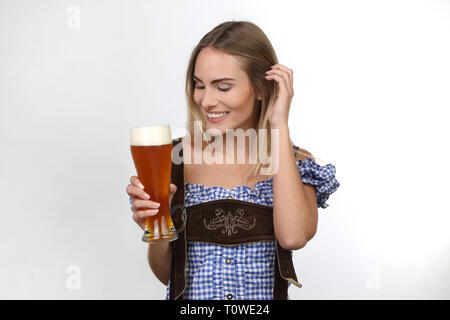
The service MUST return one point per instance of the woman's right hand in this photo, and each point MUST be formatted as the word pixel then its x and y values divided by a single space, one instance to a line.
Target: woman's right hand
pixel 141 204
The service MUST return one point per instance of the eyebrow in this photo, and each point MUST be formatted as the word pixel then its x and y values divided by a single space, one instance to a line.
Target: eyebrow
pixel 215 81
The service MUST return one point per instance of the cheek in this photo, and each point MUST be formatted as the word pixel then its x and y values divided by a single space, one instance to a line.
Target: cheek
pixel 245 106
pixel 239 101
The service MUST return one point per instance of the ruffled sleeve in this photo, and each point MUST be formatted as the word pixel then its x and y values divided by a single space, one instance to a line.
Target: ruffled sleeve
pixel 323 177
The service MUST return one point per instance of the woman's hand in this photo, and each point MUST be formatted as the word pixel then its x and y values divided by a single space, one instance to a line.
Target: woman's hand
pixel 142 207
pixel 279 113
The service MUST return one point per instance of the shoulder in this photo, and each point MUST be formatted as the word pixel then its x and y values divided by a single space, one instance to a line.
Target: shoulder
pixel 302 154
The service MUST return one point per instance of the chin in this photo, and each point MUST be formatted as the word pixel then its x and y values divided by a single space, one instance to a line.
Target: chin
pixel 216 129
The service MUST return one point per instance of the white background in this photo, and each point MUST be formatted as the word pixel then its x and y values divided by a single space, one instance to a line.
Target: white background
pixel 371 82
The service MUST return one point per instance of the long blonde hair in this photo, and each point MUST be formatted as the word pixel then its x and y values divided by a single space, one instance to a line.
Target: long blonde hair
pixel 251 47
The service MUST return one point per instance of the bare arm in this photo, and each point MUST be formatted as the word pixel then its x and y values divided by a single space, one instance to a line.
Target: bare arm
pixel 159 254
pixel 295 208
pixel 159 259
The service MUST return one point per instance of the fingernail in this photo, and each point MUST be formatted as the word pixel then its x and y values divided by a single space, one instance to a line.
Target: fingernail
pixel 157 205
pixel 146 196
pixel 154 211
pixel 141 186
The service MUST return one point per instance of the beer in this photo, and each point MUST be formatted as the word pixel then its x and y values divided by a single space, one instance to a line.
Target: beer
pixel 151 149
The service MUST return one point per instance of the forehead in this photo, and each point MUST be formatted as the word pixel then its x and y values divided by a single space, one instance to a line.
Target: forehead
pixel 213 64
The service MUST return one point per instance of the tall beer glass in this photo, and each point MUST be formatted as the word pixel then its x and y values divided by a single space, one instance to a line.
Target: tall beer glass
pixel 151 149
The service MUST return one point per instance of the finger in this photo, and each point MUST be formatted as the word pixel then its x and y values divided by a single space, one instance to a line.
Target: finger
pixel 137 192
pixel 136 182
pixel 139 215
pixel 290 72
pixel 284 72
pixel 172 190
pixel 146 204
pixel 149 213
pixel 280 72
pixel 283 67
pixel 282 81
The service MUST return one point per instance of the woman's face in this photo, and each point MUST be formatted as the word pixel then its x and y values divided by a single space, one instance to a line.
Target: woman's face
pixel 216 95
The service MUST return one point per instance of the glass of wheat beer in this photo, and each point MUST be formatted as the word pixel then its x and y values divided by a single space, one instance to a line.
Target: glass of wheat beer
pixel 151 149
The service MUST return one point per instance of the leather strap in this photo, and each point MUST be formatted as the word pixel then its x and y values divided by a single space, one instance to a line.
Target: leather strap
pixel 178 247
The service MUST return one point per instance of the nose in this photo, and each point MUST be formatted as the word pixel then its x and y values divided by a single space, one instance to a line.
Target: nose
pixel 207 98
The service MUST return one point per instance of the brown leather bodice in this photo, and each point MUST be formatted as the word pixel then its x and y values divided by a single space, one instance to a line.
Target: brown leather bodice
pixel 228 222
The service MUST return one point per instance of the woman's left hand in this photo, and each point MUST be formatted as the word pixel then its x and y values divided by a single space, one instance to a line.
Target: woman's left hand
pixel 279 114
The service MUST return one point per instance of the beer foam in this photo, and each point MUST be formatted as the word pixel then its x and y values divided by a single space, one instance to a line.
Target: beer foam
pixel 151 135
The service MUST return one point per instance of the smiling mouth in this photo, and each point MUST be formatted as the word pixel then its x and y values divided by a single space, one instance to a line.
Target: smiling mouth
pixel 216 116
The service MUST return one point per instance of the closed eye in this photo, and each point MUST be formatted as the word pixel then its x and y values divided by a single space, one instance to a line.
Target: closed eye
pixel 221 89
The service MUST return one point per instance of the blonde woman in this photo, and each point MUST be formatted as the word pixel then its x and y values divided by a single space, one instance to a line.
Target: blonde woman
pixel 242 224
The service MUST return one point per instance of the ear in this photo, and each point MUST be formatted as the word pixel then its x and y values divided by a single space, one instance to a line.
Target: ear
pixel 258 96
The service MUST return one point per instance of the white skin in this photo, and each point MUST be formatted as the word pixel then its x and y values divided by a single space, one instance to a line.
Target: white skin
pixel 239 99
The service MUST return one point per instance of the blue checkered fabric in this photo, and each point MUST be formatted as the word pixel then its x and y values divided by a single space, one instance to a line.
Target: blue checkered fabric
pixel 242 272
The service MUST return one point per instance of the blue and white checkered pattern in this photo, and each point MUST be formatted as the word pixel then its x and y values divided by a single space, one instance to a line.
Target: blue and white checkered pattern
pixel 215 272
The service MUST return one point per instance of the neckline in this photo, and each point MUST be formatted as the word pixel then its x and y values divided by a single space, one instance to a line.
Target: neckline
pixel 254 188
